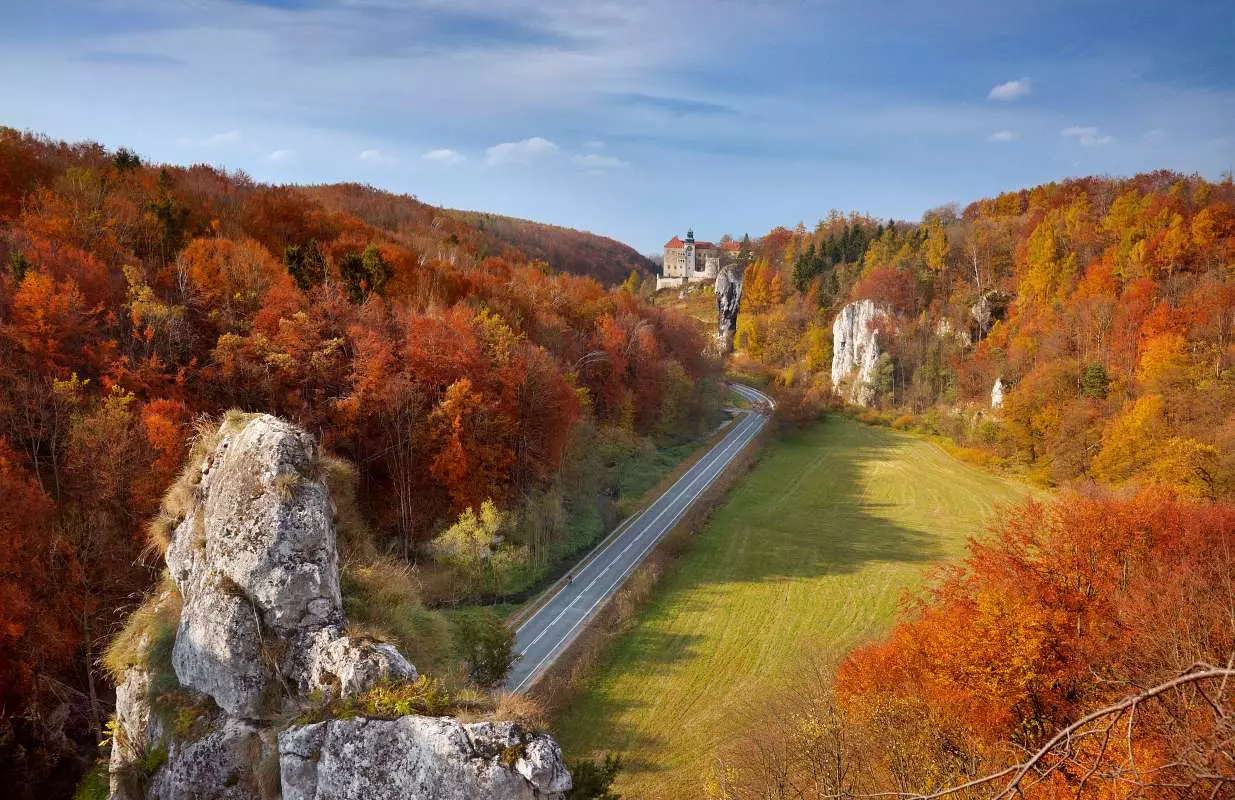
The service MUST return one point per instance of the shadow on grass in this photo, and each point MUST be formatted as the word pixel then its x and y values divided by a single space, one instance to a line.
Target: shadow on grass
pixel 802 513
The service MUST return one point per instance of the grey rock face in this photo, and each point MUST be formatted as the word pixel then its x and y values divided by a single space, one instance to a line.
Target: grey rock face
pixel 261 631
pixel 728 303
pixel 344 666
pixel 225 764
pixel 415 757
pixel 855 351
pixel 133 727
pixel 997 393
pixel 257 565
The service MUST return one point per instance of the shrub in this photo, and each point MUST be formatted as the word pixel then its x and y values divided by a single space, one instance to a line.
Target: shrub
pixel 594 780
pixel 485 644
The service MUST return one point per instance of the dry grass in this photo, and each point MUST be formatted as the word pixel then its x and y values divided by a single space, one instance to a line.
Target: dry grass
pixel 146 633
pixel 382 601
pixel 355 539
pixel 521 709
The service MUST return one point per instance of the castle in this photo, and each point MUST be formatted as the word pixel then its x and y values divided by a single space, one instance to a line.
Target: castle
pixel 692 262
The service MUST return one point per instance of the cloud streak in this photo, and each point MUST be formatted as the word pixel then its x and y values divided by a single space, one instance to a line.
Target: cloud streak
pixel 1002 136
pixel 444 156
pixel 598 163
pixel 522 152
pixel 1010 90
pixel 214 139
pixel 376 157
pixel 1086 135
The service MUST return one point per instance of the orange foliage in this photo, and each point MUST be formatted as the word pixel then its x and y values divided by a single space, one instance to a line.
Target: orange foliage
pixel 1062 609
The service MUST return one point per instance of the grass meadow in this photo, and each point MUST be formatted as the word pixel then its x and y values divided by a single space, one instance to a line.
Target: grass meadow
pixel 808 557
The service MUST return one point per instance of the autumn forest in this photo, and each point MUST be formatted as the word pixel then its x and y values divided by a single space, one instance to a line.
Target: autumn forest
pixel 481 383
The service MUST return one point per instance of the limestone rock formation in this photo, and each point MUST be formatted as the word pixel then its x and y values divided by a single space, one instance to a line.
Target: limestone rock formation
pixel 997 393
pixel 990 308
pixel 418 757
pixel 728 302
pixel 261 637
pixel 855 351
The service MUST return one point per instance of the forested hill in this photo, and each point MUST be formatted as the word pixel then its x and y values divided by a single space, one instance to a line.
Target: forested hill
pixel 565 249
pixel 139 302
pixel 1104 307
pixel 483 234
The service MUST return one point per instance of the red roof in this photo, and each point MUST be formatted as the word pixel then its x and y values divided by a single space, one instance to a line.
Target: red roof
pixel 704 246
pixel 675 242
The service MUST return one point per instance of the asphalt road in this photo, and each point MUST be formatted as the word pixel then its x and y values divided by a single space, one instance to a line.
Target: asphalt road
pixel 544 635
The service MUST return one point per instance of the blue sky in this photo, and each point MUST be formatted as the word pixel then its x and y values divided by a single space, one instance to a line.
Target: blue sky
pixel 638 118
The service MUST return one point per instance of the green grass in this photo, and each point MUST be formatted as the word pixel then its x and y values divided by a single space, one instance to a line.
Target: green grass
pixel 639 474
pixel 807 558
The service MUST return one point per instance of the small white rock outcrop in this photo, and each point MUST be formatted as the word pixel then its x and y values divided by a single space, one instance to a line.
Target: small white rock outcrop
pixel 855 351
pixel 260 638
pixel 997 393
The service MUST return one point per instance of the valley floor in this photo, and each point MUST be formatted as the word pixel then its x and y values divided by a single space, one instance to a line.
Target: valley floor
pixel 807 558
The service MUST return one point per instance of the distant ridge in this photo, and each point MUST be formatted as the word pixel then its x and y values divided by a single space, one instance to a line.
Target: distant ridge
pixel 564 249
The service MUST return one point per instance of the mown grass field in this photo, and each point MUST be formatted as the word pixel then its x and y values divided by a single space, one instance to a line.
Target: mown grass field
pixel 807 558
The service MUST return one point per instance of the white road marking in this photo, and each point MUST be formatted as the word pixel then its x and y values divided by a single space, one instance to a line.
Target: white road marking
pixel 708 469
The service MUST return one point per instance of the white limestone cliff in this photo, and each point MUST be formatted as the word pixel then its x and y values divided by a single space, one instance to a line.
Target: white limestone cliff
pixel 855 351
pixel 728 304
pixel 261 638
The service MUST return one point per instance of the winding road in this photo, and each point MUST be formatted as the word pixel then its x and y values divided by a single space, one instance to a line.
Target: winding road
pixel 543 636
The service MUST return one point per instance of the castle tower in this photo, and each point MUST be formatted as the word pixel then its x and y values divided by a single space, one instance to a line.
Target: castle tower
pixel 689 264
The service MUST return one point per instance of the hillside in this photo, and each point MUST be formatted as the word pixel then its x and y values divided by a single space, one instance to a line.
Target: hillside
pixel 478 409
pixel 1105 308
pixel 564 249
pixel 483 234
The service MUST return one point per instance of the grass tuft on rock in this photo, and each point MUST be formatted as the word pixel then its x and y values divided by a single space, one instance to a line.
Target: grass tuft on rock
pixel 148 634
pixel 382 601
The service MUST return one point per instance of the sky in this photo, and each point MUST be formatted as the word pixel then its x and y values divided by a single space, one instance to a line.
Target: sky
pixel 637 119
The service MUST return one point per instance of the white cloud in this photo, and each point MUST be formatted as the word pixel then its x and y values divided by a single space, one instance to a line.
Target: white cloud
pixel 1010 90
pixel 214 140
pixel 595 144
pixel 444 156
pixel 376 157
pixel 280 156
pixel 1002 136
pixel 1087 135
pixel 1154 136
pixel 597 162
pixel 524 151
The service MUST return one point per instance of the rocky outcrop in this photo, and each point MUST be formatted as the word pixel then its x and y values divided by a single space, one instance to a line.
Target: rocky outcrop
pixel 991 307
pixel 855 351
pixel 258 568
pixel 997 393
pixel 261 639
pixel 728 303
pixel 418 757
